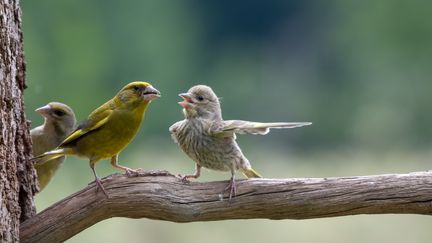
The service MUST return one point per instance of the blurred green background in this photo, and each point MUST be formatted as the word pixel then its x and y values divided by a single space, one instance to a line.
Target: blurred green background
pixel 359 70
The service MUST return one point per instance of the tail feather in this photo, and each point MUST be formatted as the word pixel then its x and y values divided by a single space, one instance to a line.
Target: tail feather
pixel 50 155
pixel 251 173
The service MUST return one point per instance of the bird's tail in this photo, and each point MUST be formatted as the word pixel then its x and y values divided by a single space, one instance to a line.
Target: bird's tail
pixel 251 173
pixel 50 155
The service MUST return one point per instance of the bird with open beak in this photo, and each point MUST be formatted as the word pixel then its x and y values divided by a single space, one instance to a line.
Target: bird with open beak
pixel 210 141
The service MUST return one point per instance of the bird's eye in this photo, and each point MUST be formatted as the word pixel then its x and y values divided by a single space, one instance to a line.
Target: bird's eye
pixel 200 98
pixel 136 88
pixel 59 113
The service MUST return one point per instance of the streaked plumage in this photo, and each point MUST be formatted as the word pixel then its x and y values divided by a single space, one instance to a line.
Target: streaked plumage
pixel 59 121
pixel 108 129
pixel 210 141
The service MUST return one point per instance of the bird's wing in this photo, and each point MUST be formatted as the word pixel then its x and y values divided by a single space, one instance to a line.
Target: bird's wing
pixel 173 127
pixel 96 120
pixel 173 130
pixel 248 127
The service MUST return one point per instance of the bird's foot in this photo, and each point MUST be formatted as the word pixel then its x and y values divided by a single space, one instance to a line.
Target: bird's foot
pixel 101 187
pixel 185 178
pixel 132 173
pixel 231 188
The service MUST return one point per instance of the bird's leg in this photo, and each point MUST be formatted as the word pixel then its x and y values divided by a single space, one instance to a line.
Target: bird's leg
pixel 128 171
pixel 232 186
pixel 196 174
pixel 97 180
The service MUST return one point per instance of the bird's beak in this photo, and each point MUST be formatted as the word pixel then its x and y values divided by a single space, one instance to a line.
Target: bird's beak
pixel 44 110
pixel 150 93
pixel 187 100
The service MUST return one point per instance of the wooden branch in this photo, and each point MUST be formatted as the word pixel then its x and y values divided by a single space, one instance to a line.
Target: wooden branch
pixel 167 198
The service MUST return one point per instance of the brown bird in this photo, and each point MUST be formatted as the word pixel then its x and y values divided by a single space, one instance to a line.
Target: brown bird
pixel 59 121
pixel 210 141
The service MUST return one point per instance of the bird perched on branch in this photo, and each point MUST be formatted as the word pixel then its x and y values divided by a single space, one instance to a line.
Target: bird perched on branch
pixel 59 121
pixel 108 129
pixel 210 141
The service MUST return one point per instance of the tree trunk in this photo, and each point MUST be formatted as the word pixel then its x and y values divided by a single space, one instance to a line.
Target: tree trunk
pixel 17 175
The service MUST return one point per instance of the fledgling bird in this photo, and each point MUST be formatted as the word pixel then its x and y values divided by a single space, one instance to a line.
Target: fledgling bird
pixel 59 121
pixel 210 141
pixel 108 129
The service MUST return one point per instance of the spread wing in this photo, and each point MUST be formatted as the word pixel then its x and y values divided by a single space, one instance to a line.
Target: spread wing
pixel 96 120
pixel 247 127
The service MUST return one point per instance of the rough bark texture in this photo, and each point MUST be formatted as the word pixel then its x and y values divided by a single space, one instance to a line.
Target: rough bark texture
pixel 166 198
pixel 17 176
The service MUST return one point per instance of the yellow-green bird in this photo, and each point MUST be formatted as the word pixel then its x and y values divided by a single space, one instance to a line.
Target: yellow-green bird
pixel 59 121
pixel 210 141
pixel 108 129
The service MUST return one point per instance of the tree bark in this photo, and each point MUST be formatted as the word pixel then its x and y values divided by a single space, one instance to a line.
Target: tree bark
pixel 167 198
pixel 17 176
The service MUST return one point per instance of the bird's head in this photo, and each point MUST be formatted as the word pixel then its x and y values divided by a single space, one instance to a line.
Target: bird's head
pixel 201 101
pixel 136 93
pixel 58 114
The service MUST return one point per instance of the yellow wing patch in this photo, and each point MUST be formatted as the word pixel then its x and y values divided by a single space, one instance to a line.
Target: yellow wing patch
pixel 87 128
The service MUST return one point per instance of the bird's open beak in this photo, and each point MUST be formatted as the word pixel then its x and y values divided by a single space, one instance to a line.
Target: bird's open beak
pixel 44 110
pixel 187 100
pixel 150 93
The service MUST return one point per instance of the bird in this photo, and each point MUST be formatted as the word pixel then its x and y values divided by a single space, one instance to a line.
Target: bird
pixel 108 129
pixel 210 141
pixel 59 121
